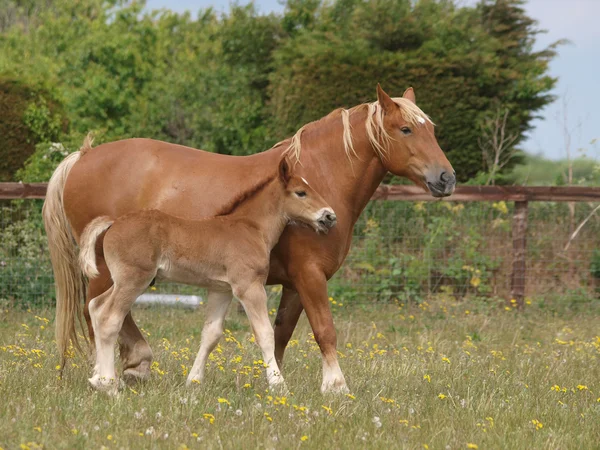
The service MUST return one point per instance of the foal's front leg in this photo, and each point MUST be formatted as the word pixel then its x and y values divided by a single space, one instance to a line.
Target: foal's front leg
pixel 218 303
pixel 254 300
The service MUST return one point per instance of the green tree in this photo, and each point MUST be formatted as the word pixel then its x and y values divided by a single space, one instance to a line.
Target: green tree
pixel 459 60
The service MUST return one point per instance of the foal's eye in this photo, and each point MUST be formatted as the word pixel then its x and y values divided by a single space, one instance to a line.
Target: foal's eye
pixel 406 131
pixel 301 194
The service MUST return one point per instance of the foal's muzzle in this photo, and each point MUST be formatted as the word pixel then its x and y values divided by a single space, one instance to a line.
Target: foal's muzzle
pixel 443 184
pixel 326 220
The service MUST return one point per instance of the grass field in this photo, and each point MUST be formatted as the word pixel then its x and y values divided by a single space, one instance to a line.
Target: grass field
pixel 443 375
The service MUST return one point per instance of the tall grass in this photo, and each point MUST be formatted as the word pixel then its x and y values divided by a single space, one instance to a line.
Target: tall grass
pixel 441 374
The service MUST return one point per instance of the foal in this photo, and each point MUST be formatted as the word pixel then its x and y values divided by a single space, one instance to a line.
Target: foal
pixel 228 253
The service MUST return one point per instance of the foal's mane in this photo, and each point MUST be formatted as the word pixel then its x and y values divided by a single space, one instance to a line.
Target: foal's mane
pixel 376 132
pixel 244 196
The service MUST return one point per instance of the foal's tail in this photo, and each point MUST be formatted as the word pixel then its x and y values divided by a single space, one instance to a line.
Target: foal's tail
pixel 87 245
pixel 68 278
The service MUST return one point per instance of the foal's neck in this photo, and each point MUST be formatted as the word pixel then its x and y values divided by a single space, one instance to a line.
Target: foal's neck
pixel 264 212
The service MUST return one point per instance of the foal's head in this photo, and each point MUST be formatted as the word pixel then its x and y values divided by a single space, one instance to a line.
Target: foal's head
pixel 412 150
pixel 302 203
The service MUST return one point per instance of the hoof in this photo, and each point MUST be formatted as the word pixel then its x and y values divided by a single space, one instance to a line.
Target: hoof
pixel 335 388
pixel 279 389
pixel 192 382
pixel 139 373
pixel 103 384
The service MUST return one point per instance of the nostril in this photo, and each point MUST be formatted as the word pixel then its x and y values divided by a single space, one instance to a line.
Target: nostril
pixel 446 177
pixel 330 217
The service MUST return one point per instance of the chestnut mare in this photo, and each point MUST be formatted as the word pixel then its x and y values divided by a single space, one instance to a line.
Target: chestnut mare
pixel 228 254
pixel 344 156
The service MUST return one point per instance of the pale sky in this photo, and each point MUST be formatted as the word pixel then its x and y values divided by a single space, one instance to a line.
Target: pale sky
pixel 577 67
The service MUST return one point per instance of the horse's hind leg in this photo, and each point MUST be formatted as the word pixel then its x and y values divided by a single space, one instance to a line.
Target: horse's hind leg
pixel 218 303
pixel 135 351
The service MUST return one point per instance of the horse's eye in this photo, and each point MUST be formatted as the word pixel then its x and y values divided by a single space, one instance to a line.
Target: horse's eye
pixel 406 131
pixel 301 194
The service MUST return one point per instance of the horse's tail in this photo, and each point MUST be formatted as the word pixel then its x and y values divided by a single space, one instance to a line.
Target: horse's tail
pixel 87 245
pixel 68 278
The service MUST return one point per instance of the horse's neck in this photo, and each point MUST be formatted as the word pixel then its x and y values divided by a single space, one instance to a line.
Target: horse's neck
pixel 350 180
pixel 264 211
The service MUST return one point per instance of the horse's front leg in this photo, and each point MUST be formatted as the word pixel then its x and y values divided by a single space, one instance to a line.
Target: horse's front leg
pixel 311 284
pixel 253 298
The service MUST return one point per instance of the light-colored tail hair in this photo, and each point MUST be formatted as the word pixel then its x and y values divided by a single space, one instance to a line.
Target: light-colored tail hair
pixel 69 281
pixel 87 244
pixel 68 278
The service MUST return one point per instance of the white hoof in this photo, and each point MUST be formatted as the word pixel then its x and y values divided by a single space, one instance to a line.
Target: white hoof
pixel 336 387
pixel 103 384
pixel 193 381
pixel 280 389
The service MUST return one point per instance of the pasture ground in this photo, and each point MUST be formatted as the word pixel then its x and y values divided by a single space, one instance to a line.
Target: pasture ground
pixel 440 375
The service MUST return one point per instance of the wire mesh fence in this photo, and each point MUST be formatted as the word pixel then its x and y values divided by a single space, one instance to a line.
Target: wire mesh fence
pixel 416 250
pixel 409 251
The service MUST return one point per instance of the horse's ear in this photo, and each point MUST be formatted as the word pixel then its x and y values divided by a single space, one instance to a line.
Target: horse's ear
pixel 385 100
pixel 285 171
pixel 409 94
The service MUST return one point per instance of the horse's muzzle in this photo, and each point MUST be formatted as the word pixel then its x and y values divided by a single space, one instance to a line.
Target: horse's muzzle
pixel 444 185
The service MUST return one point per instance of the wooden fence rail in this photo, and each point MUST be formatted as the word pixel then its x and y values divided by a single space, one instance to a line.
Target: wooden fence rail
pixel 406 193
pixel 521 195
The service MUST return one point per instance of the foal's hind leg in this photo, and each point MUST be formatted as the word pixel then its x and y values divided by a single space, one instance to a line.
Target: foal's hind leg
pixel 218 303
pixel 135 352
pixel 107 313
pixel 254 300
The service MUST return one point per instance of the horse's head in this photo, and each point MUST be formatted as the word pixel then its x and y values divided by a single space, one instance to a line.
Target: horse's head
pixel 410 148
pixel 302 203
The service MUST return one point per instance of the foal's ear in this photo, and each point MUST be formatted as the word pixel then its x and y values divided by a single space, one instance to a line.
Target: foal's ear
pixel 285 171
pixel 385 100
pixel 409 94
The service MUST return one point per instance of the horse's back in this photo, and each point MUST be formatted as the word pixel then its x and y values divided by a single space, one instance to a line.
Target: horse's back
pixel 124 176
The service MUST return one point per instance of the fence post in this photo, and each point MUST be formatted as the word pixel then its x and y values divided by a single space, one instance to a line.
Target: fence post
pixel 519 235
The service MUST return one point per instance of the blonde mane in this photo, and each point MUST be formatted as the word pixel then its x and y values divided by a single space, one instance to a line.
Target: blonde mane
pixel 376 132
